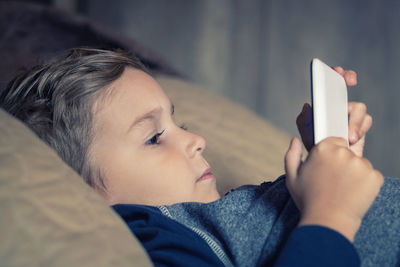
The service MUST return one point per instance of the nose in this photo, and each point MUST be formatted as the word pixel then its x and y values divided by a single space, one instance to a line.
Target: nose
pixel 195 144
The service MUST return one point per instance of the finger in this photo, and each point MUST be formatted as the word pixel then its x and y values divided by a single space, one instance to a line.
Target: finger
pixel 358 148
pixel 338 69
pixel 305 116
pixel 293 159
pixel 357 114
pixel 379 180
pixel 350 77
pixel 305 126
pixel 365 126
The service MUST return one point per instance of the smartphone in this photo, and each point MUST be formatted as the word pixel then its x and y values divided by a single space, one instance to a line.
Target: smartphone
pixel 329 102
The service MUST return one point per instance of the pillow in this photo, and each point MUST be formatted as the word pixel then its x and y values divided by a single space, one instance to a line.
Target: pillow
pixel 31 33
pixel 242 148
pixel 49 216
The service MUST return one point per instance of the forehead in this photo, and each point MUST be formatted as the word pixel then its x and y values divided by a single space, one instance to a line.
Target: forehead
pixel 134 92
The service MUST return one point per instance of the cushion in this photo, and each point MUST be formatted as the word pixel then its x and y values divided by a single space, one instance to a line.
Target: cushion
pixel 242 148
pixel 32 33
pixel 49 216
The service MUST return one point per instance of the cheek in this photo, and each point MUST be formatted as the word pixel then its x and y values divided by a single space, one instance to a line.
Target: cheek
pixel 116 162
pixel 136 177
pixel 159 164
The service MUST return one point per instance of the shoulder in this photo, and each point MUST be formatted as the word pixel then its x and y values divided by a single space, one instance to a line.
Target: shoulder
pixel 165 240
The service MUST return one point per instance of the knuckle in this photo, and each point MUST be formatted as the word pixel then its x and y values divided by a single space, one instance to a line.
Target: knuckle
pixel 356 162
pixel 366 162
pixel 361 106
pixel 343 151
pixel 321 146
pixel 375 178
pixel 379 178
pixel 352 72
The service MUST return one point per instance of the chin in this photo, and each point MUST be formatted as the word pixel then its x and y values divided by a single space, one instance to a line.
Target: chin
pixel 213 197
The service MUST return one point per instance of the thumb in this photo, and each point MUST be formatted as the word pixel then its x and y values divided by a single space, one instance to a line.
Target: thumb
pixel 293 159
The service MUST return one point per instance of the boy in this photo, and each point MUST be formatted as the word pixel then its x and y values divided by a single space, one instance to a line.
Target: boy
pixel 109 120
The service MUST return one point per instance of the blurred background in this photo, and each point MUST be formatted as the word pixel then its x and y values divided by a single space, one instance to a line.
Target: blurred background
pixel 257 52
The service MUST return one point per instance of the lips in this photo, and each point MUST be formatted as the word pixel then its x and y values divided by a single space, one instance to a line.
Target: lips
pixel 206 175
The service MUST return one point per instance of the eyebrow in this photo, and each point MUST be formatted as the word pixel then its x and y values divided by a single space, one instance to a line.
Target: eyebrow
pixel 151 115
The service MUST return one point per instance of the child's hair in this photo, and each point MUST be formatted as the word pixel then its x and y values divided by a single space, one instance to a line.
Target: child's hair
pixel 55 100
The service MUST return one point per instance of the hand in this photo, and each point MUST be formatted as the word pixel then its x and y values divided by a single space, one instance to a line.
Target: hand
pixel 359 120
pixel 333 187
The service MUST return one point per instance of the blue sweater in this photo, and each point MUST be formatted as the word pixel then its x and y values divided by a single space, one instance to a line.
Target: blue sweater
pixel 250 226
pixel 169 243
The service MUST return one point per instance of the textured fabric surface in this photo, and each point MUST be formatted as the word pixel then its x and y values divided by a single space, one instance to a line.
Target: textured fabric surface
pixel 169 243
pixel 241 147
pixel 252 223
pixel 49 216
pixel 32 33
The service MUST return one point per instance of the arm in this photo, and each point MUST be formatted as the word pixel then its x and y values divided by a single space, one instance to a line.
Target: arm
pixel 333 187
pixel 359 124
pixel 317 246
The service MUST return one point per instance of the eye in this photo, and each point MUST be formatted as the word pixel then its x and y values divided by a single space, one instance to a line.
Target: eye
pixel 183 127
pixel 155 139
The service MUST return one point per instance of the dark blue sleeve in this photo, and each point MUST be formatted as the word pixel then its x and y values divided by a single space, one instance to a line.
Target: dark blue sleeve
pixel 317 246
pixel 168 243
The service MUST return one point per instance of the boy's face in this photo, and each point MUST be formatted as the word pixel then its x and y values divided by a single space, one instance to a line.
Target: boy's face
pixel 143 155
